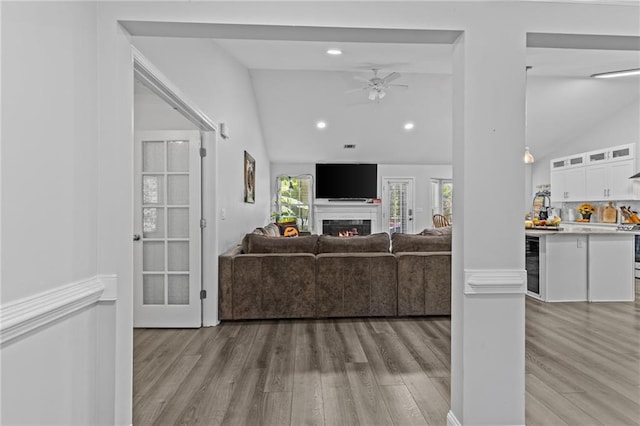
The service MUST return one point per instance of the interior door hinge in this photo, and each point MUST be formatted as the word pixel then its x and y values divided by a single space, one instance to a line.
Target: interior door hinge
pixel 203 294
pixel 203 152
pixel 203 223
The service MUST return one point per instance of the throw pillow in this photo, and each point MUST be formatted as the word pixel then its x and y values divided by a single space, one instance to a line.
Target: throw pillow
pixel 436 231
pixel 374 243
pixel 272 230
pixel 288 230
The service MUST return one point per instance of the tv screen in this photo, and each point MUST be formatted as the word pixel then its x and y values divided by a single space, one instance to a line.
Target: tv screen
pixel 346 181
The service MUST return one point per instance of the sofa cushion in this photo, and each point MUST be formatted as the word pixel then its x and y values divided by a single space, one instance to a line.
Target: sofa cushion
pixel 253 244
pixel 420 243
pixel 374 243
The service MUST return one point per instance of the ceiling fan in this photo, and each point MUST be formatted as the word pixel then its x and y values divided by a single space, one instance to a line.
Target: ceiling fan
pixel 377 86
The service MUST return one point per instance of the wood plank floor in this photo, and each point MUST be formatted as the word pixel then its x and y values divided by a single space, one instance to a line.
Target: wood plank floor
pixel 582 368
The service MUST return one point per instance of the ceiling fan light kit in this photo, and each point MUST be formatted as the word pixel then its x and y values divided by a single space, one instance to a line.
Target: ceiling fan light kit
pixel 378 86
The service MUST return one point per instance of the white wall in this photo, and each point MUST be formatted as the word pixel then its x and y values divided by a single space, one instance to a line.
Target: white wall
pixel 221 88
pixel 152 113
pixel 49 377
pixel 422 175
pixel 49 206
pixel 49 116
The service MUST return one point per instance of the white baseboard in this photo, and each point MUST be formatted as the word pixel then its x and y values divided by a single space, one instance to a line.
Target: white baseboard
pixel 452 420
pixel 30 313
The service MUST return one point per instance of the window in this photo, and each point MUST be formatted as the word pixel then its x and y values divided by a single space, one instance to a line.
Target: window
pixel 442 197
pixel 294 198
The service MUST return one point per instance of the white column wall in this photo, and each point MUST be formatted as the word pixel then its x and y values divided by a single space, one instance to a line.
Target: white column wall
pixel 115 213
pixel 488 321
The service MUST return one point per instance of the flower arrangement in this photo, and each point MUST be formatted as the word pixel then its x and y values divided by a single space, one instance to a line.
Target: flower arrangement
pixel 586 209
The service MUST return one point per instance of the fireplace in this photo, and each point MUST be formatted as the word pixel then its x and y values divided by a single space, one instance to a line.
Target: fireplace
pixel 346 227
pixel 346 215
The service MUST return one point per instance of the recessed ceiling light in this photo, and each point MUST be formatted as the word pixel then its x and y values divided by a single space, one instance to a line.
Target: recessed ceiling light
pixel 408 126
pixel 334 52
pixel 321 124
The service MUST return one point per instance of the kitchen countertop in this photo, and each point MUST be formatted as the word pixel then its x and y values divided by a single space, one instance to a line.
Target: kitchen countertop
pixel 578 230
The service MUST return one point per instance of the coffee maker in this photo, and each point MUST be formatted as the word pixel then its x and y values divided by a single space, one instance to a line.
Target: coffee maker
pixel 541 205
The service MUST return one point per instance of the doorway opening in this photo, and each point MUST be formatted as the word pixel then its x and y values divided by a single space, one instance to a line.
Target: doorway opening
pixel 171 175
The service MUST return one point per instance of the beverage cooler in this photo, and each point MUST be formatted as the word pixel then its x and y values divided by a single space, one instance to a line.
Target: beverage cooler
pixel 532 262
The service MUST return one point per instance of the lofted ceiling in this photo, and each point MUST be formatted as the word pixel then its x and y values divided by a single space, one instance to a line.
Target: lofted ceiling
pixel 297 84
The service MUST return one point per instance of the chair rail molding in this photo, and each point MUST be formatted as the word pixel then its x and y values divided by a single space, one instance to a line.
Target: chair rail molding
pixel 495 281
pixel 22 316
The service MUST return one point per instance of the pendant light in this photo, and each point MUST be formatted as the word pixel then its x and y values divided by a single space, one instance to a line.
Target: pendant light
pixel 528 156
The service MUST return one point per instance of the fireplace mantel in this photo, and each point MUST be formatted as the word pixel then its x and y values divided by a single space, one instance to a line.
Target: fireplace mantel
pixel 353 210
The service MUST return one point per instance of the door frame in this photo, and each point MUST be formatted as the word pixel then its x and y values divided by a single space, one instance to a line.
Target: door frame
pixel 145 71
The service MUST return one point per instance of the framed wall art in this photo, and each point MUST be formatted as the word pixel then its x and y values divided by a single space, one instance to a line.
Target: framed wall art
pixel 249 178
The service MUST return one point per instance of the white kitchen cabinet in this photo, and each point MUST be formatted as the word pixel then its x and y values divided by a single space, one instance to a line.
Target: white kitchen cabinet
pixel 621 187
pixel 616 153
pixel 610 181
pixel 598 175
pixel 564 268
pixel 577 160
pixel 568 184
pixel 611 268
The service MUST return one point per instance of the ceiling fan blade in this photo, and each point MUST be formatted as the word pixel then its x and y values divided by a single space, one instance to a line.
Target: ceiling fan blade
pixel 400 86
pixel 391 77
pixel 362 79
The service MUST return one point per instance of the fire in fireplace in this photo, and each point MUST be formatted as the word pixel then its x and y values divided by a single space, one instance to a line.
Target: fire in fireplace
pixel 346 227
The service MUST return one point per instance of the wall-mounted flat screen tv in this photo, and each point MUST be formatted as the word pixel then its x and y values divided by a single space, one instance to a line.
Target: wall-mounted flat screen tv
pixel 347 181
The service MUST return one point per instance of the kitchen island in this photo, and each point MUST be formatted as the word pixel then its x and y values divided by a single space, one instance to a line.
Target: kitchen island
pixel 580 263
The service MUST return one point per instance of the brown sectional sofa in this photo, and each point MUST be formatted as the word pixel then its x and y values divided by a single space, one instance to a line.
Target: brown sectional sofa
pixel 324 276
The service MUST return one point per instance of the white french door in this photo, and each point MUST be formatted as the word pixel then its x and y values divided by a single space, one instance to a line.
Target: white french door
pixel 397 205
pixel 167 233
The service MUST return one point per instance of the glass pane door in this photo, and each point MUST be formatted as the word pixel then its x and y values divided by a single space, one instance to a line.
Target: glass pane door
pixel 398 208
pixel 167 217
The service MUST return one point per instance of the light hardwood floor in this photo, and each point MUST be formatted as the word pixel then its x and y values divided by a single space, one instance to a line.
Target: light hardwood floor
pixel 582 368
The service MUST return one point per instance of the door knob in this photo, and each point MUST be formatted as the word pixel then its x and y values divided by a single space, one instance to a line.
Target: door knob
pixel 136 237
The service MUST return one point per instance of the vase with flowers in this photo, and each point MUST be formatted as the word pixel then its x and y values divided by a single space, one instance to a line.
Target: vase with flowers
pixel 585 210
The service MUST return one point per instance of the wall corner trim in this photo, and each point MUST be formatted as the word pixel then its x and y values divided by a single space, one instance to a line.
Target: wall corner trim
pixel 22 316
pixel 495 281
pixel 452 420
